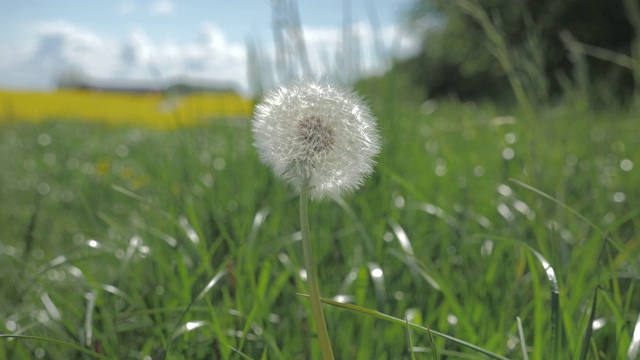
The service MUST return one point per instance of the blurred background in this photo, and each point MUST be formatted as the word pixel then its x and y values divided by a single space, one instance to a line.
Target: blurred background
pixel 245 47
pixel 138 44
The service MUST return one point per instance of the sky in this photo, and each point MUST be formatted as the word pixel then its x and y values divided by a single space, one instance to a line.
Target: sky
pixel 146 40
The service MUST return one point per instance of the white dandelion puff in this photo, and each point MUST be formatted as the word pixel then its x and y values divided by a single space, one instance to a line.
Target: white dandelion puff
pixel 316 132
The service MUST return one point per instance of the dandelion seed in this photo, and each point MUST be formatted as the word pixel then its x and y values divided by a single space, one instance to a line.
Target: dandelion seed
pixel 319 133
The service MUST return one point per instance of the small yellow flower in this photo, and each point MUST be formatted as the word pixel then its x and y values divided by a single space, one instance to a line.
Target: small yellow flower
pixel 102 167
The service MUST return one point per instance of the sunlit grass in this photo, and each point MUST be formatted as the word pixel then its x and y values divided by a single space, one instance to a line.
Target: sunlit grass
pixel 132 242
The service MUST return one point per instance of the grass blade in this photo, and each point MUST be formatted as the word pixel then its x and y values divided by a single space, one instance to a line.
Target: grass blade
pixel 523 343
pixel 377 277
pixel 359 224
pixel 205 290
pixel 434 351
pixel 608 238
pixel 634 347
pixel 379 315
pixel 558 202
pixel 240 353
pixel 88 320
pixel 57 342
pixel 406 322
pixel 586 339
pixel 189 326
pixel 554 288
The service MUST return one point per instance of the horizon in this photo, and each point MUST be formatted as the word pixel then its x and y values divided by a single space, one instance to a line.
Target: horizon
pixel 135 40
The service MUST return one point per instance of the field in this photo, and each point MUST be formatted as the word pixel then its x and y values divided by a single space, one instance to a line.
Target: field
pixel 130 242
pixel 155 110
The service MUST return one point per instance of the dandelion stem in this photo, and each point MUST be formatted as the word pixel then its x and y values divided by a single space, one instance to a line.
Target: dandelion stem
pixel 312 282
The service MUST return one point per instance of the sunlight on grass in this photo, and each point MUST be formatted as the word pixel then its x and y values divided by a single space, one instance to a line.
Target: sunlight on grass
pixel 85 236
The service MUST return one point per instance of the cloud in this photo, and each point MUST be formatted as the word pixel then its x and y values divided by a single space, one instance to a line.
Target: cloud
pixel 136 49
pixel 55 47
pixel 210 56
pixel 52 48
pixel 49 49
pixel 59 37
pixel 161 7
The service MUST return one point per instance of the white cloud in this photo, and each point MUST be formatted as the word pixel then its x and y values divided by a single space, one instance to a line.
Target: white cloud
pixel 55 47
pixel 161 7
pixel 136 49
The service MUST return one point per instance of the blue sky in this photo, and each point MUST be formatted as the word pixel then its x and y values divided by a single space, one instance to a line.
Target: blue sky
pixel 203 39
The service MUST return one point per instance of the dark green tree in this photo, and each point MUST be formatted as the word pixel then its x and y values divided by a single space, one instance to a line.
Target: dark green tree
pixel 456 57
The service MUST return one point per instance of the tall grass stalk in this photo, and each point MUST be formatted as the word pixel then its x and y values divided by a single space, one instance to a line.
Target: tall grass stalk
pixel 501 52
pixel 633 13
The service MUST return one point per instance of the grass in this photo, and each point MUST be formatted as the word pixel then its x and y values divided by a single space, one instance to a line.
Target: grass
pixel 135 243
pixel 484 233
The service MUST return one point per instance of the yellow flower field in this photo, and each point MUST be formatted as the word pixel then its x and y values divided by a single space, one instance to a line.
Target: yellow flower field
pixel 122 109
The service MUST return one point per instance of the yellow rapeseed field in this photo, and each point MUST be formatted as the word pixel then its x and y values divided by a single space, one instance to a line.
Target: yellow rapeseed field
pixel 122 109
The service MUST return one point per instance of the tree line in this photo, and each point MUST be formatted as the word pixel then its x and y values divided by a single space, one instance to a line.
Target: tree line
pixel 555 46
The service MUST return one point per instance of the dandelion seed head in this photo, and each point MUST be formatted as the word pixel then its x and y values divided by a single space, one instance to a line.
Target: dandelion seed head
pixel 316 131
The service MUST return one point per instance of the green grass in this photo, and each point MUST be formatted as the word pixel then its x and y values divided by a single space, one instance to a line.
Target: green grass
pixel 134 243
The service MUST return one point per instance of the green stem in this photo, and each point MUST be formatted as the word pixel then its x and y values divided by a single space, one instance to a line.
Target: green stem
pixel 314 294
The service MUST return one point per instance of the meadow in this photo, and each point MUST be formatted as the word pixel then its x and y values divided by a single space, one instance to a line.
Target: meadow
pixel 516 235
